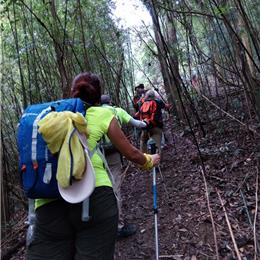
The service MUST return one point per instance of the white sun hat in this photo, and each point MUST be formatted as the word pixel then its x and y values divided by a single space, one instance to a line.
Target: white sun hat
pixel 80 190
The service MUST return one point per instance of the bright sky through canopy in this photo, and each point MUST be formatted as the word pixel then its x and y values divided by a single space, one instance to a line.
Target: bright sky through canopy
pixel 131 13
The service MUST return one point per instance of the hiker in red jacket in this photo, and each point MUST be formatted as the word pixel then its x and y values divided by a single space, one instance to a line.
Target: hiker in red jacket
pixel 151 113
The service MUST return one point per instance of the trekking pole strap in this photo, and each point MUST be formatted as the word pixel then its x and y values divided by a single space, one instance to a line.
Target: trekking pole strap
pixel 101 152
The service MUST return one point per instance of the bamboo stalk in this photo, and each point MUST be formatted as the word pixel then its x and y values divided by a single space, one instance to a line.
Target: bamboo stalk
pixel 255 217
pixel 229 115
pixel 125 171
pixel 229 227
pixel 210 212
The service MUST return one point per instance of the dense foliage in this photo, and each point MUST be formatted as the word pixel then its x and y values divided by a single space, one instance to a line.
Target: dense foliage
pixel 44 45
pixel 195 50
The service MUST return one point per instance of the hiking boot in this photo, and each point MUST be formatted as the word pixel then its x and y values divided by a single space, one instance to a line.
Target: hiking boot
pixel 126 231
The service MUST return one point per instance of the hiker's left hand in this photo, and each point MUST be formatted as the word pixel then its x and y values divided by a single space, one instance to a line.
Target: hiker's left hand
pixel 156 159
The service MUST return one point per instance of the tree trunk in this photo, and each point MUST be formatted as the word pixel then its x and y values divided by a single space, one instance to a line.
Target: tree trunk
pixel 169 82
pixel 14 31
pixel 59 51
pixel 118 80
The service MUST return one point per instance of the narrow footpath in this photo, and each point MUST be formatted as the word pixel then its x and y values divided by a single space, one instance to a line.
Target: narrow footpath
pixel 185 226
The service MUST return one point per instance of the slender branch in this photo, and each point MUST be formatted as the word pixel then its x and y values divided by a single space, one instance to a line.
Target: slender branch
pixel 236 35
pixel 198 13
pixel 229 115
pixel 256 209
pixel 210 212
pixel 146 44
pixel 241 184
pixel 250 220
pixel 229 227
pixel 125 171
pixel 42 24
pixel 112 69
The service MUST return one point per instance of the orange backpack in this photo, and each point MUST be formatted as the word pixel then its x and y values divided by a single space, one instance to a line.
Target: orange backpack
pixel 147 112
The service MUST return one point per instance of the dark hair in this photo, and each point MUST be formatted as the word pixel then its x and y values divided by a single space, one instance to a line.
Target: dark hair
pixel 86 86
pixel 141 86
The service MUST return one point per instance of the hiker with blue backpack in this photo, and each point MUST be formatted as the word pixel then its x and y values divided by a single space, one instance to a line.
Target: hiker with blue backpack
pixel 114 160
pixel 61 232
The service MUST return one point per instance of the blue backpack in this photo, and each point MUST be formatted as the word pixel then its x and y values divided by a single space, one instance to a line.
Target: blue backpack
pixel 37 165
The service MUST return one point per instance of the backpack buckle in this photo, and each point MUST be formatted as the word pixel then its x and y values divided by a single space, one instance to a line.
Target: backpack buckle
pixel 23 169
pixel 35 166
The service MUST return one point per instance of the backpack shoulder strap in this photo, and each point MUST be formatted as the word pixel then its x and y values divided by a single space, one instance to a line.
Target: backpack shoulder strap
pixel 110 175
pixel 97 150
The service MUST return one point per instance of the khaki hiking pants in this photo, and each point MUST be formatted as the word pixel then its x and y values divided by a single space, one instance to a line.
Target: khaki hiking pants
pixel 115 166
pixel 156 134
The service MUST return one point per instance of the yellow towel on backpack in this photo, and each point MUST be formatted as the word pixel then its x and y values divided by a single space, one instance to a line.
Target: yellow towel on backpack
pixel 58 129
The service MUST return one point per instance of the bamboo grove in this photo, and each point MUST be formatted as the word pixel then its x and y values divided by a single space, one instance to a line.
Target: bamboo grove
pixel 44 44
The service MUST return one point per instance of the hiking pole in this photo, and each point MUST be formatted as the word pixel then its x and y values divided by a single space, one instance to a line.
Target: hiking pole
pixel 155 210
pixel 152 147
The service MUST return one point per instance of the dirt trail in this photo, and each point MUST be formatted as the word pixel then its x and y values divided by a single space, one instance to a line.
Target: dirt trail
pixel 185 226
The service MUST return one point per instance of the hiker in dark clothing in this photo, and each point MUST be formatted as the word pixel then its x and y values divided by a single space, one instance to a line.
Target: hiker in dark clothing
pixel 151 113
pixel 60 233
pixel 139 94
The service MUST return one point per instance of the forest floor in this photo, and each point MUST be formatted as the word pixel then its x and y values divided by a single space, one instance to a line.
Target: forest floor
pixel 231 158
